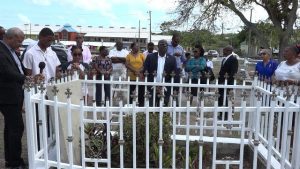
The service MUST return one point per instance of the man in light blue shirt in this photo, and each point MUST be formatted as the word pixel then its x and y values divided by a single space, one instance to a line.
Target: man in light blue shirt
pixel 174 49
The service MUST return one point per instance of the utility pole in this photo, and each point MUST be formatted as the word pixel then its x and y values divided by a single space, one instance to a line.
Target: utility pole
pixel 139 33
pixel 30 30
pixel 150 26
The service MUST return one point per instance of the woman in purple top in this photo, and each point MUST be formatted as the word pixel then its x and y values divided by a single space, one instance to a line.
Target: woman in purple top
pixel 103 65
pixel 267 66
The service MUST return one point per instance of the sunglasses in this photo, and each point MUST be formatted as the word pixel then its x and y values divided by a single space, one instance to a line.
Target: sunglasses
pixel 261 54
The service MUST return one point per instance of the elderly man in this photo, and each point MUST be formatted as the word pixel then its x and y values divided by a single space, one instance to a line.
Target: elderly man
pixel 11 98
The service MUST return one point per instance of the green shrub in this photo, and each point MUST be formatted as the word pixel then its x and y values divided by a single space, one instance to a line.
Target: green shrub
pixel 94 144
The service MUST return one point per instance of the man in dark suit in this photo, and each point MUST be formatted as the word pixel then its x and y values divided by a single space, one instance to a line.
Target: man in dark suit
pixel 160 62
pixel 11 98
pixel 229 66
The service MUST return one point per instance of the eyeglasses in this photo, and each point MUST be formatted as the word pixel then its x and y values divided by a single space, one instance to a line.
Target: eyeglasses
pixel 195 51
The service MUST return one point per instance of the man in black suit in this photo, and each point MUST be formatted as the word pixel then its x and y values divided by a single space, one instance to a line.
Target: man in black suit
pixel 160 62
pixel 11 98
pixel 229 66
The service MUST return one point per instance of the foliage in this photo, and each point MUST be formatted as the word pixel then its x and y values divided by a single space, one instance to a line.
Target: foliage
pixel 208 40
pixel 96 142
pixel 204 14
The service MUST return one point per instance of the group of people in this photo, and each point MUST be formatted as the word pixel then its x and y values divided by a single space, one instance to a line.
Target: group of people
pixel 41 63
pixel 288 71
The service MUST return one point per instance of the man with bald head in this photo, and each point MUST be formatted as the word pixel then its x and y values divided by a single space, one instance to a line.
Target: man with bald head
pixel 11 98
pixel 229 66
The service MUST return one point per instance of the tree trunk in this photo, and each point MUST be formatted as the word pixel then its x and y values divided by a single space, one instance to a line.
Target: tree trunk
pixel 283 43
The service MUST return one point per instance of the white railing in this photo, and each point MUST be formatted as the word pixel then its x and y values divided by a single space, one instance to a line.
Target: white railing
pixel 261 116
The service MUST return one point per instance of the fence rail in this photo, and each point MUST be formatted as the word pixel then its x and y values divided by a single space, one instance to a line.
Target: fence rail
pixel 63 125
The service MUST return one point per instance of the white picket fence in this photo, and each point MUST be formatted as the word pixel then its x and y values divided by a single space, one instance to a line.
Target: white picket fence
pixel 262 116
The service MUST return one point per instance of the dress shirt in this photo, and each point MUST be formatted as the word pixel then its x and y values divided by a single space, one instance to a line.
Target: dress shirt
pixel 160 68
pixel 35 55
pixel 177 49
pixel 118 53
pixel 210 64
pixel 146 53
pixel 86 54
pixel 225 59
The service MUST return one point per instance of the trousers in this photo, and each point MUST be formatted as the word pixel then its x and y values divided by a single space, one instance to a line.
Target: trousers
pixel 13 132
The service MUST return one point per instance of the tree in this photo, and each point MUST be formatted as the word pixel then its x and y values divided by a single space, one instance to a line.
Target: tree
pixel 204 13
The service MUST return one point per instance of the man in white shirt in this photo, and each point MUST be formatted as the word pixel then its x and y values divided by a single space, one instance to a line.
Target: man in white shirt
pixel 86 53
pixel 118 58
pixel 150 49
pixel 42 52
pixel 209 62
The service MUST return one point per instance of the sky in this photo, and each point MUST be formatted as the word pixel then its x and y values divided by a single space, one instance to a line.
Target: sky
pixel 104 13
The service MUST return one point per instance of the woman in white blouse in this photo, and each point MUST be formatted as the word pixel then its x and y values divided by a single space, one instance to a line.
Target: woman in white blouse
pixel 289 70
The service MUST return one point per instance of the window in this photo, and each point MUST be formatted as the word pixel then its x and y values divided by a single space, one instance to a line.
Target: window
pixel 64 35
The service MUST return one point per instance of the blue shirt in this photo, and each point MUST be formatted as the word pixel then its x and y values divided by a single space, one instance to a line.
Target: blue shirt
pixel 178 49
pixel 266 71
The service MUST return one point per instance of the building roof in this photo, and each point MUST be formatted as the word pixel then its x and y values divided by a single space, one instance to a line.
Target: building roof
pixel 100 31
pixel 66 27
pixel 34 29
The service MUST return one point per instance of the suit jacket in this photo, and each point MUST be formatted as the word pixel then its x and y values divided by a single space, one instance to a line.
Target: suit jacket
pixel 150 65
pixel 11 80
pixel 230 67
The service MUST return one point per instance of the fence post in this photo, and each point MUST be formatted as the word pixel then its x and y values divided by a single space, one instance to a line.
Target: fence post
pixel 30 123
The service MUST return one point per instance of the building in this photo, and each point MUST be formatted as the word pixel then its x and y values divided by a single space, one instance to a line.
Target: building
pixel 96 36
